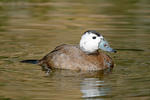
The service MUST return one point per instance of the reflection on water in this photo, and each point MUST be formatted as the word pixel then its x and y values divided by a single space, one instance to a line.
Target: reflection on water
pixel 29 29
pixel 91 84
pixel 93 87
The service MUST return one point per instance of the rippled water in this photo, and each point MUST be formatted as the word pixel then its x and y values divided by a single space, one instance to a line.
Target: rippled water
pixel 30 29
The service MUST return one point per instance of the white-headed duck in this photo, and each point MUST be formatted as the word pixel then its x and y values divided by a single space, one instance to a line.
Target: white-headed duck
pixel 83 57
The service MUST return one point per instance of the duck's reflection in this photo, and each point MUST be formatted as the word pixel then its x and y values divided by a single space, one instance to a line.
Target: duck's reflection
pixel 92 85
pixel 93 88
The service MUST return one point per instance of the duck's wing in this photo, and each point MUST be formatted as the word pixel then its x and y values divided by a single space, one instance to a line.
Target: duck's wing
pixel 58 58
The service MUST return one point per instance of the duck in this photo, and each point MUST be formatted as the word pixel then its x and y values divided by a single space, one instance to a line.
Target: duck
pixel 86 56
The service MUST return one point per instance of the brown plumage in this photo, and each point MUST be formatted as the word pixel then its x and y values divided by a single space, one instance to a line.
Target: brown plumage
pixel 72 57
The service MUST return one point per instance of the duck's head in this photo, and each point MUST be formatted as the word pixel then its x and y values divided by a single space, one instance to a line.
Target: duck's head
pixel 91 41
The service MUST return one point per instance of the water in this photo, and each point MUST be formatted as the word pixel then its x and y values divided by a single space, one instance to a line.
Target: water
pixel 30 29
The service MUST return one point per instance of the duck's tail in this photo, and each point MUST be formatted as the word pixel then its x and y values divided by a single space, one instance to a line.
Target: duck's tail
pixel 31 61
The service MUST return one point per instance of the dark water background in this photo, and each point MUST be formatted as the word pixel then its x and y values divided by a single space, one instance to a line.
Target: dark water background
pixel 29 29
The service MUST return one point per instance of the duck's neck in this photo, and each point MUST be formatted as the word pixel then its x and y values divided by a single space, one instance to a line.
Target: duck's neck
pixel 86 52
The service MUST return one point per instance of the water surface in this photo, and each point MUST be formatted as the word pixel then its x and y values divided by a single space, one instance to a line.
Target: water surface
pixel 30 29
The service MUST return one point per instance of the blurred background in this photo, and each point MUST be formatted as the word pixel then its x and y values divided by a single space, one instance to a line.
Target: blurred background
pixel 29 29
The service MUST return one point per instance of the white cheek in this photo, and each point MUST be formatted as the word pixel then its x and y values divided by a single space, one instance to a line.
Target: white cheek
pixel 88 44
pixel 91 46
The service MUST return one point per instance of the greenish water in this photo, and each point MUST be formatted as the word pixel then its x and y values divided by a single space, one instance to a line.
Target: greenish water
pixel 29 29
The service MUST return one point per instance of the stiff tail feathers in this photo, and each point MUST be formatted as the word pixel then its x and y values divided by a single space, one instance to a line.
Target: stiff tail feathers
pixel 32 61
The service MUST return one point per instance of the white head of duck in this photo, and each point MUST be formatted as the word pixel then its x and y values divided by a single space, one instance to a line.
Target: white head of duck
pixel 91 41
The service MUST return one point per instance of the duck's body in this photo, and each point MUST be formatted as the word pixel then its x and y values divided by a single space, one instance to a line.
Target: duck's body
pixel 73 58
pixel 85 56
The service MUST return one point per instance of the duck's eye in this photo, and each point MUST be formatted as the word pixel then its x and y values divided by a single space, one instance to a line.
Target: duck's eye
pixel 94 37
